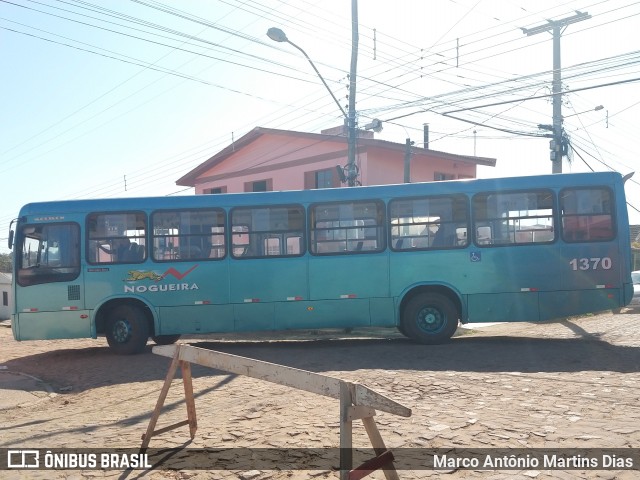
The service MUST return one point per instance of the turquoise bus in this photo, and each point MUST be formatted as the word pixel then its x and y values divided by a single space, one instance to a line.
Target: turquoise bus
pixel 419 257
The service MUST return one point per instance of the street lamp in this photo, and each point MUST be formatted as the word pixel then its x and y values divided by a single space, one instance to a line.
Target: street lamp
pixel 599 107
pixel 277 35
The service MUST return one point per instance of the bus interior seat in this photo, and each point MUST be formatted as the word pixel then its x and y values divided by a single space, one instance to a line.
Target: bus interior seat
pixel 133 253
pixel 190 251
pixel 439 240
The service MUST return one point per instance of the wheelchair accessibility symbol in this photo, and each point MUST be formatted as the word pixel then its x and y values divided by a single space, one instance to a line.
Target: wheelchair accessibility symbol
pixel 475 256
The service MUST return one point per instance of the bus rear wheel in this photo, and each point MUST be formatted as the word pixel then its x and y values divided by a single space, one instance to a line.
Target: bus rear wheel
pixel 429 318
pixel 127 330
pixel 165 339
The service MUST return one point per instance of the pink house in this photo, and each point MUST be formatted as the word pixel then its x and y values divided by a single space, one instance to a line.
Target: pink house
pixel 267 159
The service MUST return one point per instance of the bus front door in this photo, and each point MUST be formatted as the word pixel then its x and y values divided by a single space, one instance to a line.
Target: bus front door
pixel 49 300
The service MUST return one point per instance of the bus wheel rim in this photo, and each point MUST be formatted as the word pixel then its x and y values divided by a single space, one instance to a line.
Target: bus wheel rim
pixel 431 320
pixel 121 331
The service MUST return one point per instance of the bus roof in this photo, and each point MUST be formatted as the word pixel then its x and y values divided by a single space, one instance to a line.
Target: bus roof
pixel 229 200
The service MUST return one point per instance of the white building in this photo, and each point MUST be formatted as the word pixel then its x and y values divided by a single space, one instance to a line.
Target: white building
pixel 6 303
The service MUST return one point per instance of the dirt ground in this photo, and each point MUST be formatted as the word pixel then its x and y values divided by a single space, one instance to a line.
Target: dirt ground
pixel 573 384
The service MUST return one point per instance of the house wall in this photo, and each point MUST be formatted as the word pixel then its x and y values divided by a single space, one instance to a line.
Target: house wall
pixel 383 168
pixel 5 292
pixel 283 160
pixel 269 157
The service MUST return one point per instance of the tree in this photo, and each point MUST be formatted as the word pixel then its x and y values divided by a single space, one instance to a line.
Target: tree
pixel 5 263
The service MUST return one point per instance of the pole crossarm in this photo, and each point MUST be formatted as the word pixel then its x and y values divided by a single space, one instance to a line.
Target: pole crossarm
pixel 545 27
pixel 282 375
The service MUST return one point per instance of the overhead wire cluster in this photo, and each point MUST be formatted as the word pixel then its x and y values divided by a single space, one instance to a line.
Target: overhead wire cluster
pixel 390 88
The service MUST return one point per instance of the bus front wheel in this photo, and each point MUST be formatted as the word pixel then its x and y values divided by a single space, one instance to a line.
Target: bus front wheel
pixel 127 330
pixel 429 318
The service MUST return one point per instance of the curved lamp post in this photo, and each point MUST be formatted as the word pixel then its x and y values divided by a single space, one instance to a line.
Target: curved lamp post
pixel 277 35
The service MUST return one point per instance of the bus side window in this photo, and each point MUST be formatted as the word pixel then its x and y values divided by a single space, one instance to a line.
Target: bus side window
pixel 429 222
pixel 346 227
pixel 116 237
pixel 259 232
pixel 188 234
pixel 514 218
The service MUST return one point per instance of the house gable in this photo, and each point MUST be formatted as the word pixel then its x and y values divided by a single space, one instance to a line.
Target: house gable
pixel 286 158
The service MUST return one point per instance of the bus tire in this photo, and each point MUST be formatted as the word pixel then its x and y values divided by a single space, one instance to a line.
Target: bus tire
pixel 127 330
pixel 429 318
pixel 165 339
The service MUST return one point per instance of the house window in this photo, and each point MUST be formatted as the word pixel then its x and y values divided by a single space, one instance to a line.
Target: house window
pixel 214 190
pixel 439 176
pixel 5 299
pixel 324 178
pixel 259 186
pixel 327 178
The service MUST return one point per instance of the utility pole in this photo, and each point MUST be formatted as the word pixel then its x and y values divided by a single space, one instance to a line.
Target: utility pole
pixel 556 145
pixel 352 172
pixel 407 160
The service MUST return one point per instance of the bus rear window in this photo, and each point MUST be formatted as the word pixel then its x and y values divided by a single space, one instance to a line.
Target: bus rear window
pixel 587 215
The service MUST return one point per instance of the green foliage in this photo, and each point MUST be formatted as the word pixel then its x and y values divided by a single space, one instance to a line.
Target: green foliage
pixel 5 263
pixel 635 256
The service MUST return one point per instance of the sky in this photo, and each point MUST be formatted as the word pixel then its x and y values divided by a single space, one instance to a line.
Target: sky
pixel 121 98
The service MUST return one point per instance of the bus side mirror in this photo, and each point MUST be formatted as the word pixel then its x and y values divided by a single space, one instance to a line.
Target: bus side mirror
pixel 10 242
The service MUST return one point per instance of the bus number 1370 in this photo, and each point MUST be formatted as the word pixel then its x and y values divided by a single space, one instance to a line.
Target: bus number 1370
pixel 595 263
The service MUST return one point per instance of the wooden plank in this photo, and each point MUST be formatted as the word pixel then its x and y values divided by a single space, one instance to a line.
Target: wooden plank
pixel 270 372
pixel 358 412
pixel 367 397
pixel 379 447
pixel 346 431
pixel 170 427
pixel 371 466
pixel 188 397
pixel 146 438
pixel 282 375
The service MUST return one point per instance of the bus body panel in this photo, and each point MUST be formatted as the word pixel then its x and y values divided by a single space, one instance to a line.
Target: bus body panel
pixel 554 305
pixel 383 312
pixel 52 325
pixel 253 316
pixel 195 319
pixel 348 276
pixel 442 267
pixel 343 313
pixel 500 307
pixel 267 280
